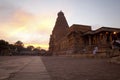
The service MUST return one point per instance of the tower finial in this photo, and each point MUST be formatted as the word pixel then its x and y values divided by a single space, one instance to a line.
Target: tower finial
pixel 60 13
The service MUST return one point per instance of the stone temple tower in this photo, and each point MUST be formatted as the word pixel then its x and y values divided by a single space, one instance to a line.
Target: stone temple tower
pixel 61 27
pixel 59 31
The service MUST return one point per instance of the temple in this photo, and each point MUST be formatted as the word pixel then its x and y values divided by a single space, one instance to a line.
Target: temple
pixel 73 39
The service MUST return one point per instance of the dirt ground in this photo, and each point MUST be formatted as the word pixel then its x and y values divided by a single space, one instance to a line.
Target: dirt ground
pixel 70 68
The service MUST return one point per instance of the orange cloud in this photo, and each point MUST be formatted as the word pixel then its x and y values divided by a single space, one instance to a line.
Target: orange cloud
pixel 21 18
pixel 29 28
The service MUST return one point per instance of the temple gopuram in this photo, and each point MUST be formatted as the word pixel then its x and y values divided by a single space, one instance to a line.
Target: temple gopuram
pixel 73 39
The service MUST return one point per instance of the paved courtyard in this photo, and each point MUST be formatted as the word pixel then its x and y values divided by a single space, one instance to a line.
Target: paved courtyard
pixel 56 68
pixel 22 68
pixel 72 68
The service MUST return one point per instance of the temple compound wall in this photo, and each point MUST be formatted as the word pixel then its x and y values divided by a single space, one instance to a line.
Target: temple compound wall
pixel 73 39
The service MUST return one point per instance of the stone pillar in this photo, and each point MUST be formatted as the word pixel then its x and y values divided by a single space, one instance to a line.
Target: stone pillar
pixel 98 39
pixel 89 40
pixel 104 38
pixel 110 37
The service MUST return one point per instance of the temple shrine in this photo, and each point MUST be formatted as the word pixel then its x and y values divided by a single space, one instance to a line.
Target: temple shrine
pixel 73 39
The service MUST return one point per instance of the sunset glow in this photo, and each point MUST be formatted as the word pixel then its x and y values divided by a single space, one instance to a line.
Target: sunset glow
pixel 44 46
pixel 30 29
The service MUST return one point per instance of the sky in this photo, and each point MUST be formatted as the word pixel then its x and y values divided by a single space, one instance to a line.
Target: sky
pixel 32 21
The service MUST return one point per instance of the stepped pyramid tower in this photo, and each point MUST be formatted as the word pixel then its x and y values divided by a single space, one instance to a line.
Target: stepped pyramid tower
pixel 61 27
pixel 59 31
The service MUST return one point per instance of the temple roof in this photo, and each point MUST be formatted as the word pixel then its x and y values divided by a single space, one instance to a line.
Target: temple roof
pixel 107 29
pixel 82 28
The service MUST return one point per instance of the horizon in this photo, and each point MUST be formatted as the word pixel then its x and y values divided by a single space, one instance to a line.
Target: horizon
pixel 33 24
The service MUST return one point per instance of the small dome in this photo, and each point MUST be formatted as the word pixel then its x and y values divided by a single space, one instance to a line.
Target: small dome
pixel 60 13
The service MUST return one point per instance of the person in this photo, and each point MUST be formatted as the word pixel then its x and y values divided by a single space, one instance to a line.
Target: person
pixel 116 46
pixel 95 50
pixel 84 50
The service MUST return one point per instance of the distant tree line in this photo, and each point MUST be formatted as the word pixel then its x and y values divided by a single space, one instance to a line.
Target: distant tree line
pixel 18 48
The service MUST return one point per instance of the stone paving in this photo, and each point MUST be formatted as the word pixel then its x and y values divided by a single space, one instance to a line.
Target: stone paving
pixel 75 68
pixel 27 68
pixel 57 68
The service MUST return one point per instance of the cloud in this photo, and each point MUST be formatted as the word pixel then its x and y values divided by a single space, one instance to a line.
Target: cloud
pixel 19 24
pixel 6 11
pixel 21 18
pixel 27 27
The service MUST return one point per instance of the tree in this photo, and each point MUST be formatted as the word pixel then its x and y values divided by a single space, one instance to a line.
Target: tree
pixel 39 48
pixel 4 45
pixel 19 46
pixel 3 42
pixel 19 43
pixel 30 47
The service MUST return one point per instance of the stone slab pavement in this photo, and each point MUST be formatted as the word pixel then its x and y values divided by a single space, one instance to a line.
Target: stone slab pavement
pixel 28 68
